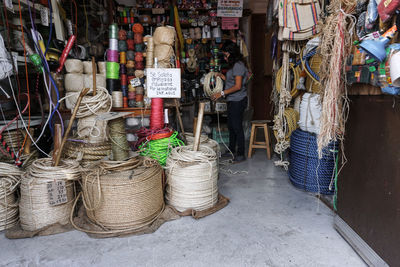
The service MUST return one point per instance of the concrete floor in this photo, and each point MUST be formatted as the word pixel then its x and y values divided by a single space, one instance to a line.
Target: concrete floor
pixel 267 223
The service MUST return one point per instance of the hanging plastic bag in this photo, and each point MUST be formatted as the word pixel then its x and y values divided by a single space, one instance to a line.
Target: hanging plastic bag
pixel 372 14
pixel 387 8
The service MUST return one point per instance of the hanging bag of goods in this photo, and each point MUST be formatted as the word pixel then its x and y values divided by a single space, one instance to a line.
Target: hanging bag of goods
pixel 192 179
pixel 121 197
pixel 10 177
pixel 47 196
pixel 298 19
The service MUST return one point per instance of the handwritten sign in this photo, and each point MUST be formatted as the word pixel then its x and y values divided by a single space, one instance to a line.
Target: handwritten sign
pixel 135 82
pixel 164 83
pixel 57 193
pixel 230 8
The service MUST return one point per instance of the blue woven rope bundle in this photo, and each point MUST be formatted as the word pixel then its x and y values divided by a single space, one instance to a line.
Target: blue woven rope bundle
pixel 305 166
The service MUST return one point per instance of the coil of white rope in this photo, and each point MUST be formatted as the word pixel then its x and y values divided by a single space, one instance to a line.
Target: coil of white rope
pixel 35 209
pixel 91 105
pixel 10 177
pixel 192 178
pixel 208 88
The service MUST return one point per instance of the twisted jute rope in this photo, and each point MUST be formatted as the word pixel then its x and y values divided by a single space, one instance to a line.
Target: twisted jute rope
pixel 87 153
pixel 119 143
pixel 204 141
pixel 10 177
pixel 192 178
pixel 35 210
pixel 122 196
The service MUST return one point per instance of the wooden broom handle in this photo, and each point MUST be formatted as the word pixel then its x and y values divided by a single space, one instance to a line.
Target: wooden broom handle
pixel 199 126
pixel 94 71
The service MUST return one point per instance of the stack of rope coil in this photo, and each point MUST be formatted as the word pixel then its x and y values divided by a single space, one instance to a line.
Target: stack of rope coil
pixel 192 178
pixel 119 143
pixel 160 148
pixel 123 195
pixel 86 153
pixel 10 177
pixel 204 141
pixel 35 210
pixel 306 170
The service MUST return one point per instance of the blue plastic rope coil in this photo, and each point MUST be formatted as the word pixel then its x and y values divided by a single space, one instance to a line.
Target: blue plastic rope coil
pixel 305 166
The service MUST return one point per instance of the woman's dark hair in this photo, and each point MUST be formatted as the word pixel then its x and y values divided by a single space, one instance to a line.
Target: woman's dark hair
pixel 234 53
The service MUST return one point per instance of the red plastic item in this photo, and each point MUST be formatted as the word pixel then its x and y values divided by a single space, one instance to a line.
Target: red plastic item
pixel 66 51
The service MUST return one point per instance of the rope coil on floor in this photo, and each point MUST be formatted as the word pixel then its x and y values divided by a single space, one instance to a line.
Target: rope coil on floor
pixel 122 196
pixel 10 177
pixel 192 178
pixel 35 210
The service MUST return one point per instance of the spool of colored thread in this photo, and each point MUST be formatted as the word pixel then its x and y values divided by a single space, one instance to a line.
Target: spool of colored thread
pixel 113 31
pixel 122 35
pixel 113 44
pixel 112 55
pixel 138 38
pixel 137 28
pixel 139 98
pixel 129 35
pixel 131 103
pixel 139 90
pixel 131 88
pixel 113 85
pixel 138 56
pixel 122 68
pixel 131 95
pixel 122 57
pixel 124 89
pixel 125 99
pixel 117 99
pixel 139 65
pixel 130 64
pixel 124 80
pixel 112 70
pixel 130 55
pixel 130 71
pixel 122 46
pixel 139 47
pixel 139 104
pixel 131 44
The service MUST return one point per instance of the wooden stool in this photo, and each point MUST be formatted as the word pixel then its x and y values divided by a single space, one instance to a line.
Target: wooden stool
pixel 253 143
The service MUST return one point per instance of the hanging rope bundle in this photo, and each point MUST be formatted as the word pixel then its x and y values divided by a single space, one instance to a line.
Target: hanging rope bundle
pixel 290 119
pixel 93 105
pixel 192 178
pixel 86 153
pixel 122 196
pixel 35 209
pixel 119 144
pixel 296 77
pixel 159 149
pixel 10 177
pixel 210 87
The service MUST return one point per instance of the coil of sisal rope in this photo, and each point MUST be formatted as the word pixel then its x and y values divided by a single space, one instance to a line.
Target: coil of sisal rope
pixel 10 177
pixel 204 141
pixel 122 196
pixel 34 207
pixel 210 88
pixel 192 178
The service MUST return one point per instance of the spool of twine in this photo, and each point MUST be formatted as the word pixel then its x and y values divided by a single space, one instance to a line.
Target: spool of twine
pixel 73 66
pixel 130 55
pixel 130 65
pixel 192 178
pixel 139 104
pixel 122 46
pixel 138 56
pixel 112 70
pixel 138 180
pixel 130 70
pixel 119 144
pixel 10 177
pixel 139 47
pixel 87 67
pixel 138 38
pixel 112 55
pixel 113 85
pixel 129 35
pixel 117 99
pixel 139 74
pixel 113 45
pixel 125 99
pixel 137 28
pixel 88 81
pixel 157 114
pixel 92 130
pixel 94 105
pixel 139 65
pixel 131 44
pixel 164 36
pixel 102 67
pixel 139 90
pixel 122 57
pixel 87 153
pixel 73 82
pixel 113 31
pixel 124 80
pixel 122 34
pixel 131 95
pixel 35 211
pixel 131 103
pixel 124 89
pixel 150 43
pixel 122 68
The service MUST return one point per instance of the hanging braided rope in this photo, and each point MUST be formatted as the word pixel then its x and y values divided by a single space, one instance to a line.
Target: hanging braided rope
pixel 122 196
pixel 192 178
pixel 10 177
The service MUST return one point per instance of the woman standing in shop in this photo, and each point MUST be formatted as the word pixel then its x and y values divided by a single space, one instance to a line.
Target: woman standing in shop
pixel 235 92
